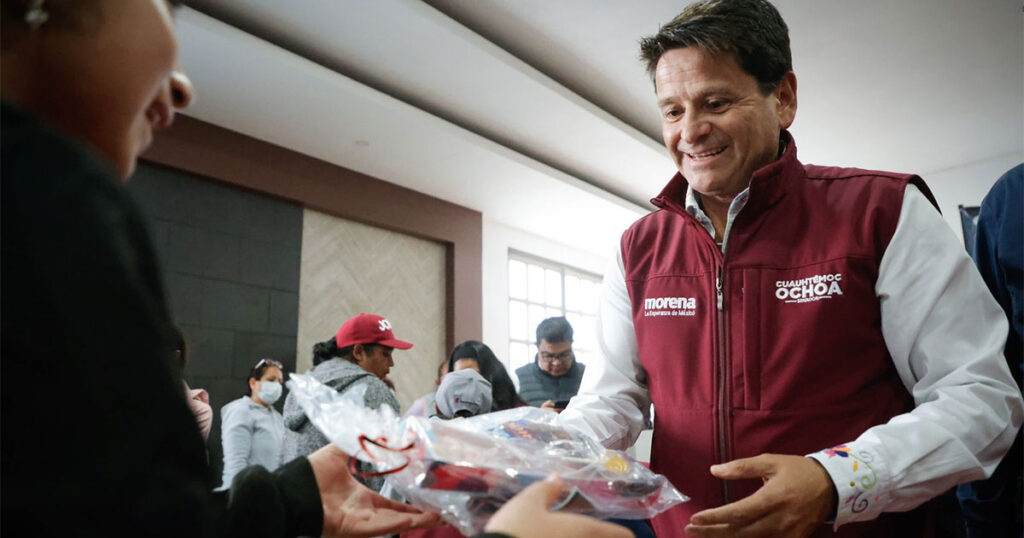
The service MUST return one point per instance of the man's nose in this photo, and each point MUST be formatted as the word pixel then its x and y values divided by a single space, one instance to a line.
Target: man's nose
pixel 694 128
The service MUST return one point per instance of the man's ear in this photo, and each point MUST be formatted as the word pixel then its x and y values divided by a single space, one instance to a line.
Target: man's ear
pixel 785 100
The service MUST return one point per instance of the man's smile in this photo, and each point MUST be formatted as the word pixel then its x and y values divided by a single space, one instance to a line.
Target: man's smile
pixel 704 155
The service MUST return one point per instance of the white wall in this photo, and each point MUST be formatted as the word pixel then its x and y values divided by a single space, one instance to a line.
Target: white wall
pixel 967 185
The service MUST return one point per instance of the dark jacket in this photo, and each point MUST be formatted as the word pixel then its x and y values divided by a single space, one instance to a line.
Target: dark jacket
pixel 999 254
pixel 992 508
pixel 97 437
pixel 537 386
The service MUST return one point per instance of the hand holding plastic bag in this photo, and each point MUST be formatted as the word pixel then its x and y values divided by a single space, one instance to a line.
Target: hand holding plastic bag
pixel 468 468
pixel 351 510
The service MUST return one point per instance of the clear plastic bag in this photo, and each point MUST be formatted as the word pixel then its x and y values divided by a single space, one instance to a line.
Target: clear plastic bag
pixel 467 468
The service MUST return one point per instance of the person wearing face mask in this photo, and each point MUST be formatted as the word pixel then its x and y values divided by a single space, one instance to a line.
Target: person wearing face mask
pixel 252 431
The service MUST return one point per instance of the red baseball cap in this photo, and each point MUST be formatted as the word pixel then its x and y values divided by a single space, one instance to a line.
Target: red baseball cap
pixel 368 329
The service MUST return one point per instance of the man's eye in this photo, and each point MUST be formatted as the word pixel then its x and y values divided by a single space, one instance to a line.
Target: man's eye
pixel 716 105
pixel 673 113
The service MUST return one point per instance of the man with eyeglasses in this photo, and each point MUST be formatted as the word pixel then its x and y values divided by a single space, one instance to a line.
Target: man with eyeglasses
pixel 554 375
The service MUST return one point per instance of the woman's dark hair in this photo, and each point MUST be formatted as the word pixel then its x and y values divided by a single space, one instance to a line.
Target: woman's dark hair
pixel 328 349
pixel 503 391
pixel 258 370
pixel 752 30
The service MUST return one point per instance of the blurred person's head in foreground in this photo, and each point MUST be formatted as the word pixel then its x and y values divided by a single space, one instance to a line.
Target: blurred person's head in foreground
pixel 101 71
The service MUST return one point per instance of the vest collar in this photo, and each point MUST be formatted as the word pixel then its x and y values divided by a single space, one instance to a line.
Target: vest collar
pixel 767 185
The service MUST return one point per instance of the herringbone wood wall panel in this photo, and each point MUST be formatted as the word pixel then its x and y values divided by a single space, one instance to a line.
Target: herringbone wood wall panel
pixel 348 268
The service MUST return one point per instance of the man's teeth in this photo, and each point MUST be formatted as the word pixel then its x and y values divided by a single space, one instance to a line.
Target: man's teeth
pixel 705 154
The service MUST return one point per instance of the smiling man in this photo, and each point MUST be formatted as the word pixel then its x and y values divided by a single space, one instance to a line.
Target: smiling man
pixel 814 340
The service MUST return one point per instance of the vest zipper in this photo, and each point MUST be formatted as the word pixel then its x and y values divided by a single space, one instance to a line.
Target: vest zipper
pixel 718 288
pixel 723 384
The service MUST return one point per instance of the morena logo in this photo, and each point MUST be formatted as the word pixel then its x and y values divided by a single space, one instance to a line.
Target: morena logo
pixel 384 325
pixel 670 306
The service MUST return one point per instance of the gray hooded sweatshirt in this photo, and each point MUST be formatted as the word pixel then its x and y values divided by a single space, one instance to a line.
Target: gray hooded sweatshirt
pixel 302 438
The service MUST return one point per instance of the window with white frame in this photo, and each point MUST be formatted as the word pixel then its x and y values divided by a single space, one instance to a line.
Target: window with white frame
pixel 540 289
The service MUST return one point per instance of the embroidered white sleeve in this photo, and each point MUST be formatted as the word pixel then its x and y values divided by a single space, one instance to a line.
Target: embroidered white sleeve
pixel 613 402
pixel 856 476
pixel 946 335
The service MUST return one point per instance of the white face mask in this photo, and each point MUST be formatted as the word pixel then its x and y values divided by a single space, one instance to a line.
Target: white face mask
pixel 270 391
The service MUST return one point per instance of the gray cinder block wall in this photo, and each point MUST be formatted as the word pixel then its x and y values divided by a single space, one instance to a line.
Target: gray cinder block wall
pixel 231 261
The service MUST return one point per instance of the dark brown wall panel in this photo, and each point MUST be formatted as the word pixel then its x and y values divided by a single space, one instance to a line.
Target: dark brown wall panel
pixel 227 156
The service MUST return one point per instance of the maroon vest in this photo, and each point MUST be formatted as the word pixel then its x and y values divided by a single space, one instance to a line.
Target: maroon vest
pixel 793 359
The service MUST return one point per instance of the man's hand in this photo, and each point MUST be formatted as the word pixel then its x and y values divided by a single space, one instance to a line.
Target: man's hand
pixel 796 498
pixel 550 406
pixel 528 515
pixel 351 510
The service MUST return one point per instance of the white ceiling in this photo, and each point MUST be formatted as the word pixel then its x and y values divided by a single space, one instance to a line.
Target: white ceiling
pixel 906 85
pixel 538 113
